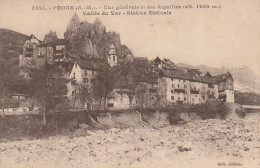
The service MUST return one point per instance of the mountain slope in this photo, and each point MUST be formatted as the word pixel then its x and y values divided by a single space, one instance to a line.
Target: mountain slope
pixel 244 78
pixel 11 43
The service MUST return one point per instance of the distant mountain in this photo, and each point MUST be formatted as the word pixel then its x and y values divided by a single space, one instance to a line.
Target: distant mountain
pixel 244 78
pixel 92 38
pixel 11 44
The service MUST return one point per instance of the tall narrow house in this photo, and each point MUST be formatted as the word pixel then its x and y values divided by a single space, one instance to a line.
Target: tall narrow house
pixel 225 87
pixel 29 55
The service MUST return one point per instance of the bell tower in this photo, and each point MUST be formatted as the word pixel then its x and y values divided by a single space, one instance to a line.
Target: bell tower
pixel 112 57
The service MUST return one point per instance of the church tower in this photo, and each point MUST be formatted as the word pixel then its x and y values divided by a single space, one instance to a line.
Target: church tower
pixel 112 57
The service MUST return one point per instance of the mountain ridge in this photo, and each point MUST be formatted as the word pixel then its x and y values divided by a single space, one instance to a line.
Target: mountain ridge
pixel 245 80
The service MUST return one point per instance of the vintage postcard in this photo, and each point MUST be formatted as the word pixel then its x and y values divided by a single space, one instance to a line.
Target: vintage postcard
pixel 129 83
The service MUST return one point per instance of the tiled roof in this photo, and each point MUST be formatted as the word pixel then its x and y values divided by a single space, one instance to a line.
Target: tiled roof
pixel 141 59
pixel 92 64
pixel 59 42
pixel 187 76
pixel 223 77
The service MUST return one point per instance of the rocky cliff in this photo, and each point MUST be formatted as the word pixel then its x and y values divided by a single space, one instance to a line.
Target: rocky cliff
pixel 92 38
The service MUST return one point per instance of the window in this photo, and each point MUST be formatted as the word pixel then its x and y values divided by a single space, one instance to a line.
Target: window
pixel 185 86
pixel 72 93
pixel 184 98
pixel 193 99
pixel 178 86
pixel 114 58
pixel 173 85
pixel 172 97
pixel 171 79
pixel 171 91
pixel 76 65
pixel 86 72
pixel 110 104
pixel 85 80
pixel 74 75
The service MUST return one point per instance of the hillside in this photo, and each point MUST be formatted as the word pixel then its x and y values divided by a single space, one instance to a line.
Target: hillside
pixel 244 77
pixel 11 44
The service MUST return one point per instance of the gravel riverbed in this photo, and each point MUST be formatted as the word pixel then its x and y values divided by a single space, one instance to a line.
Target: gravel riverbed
pixel 201 143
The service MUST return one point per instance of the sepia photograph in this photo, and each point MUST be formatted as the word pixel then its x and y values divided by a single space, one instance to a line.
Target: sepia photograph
pixel 129 84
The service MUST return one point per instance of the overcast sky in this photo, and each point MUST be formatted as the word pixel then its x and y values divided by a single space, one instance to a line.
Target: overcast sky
pixel 228 36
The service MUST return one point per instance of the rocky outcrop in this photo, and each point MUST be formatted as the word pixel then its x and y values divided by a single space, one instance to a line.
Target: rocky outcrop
pixel 92 38
pixel 50 37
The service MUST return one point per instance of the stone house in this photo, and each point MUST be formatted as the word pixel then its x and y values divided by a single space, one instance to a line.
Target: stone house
pixel 136 86
pixel 38 54
pixel 225 86
pixel 29 56
pixel 82 75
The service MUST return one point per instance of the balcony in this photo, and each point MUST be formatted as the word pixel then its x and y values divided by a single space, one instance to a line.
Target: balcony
pixel 40 56
pixel 28 54
pixel 28 49
pixel 193 91
pixel 180 90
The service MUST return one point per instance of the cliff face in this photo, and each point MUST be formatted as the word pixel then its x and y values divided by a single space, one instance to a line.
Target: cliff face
pixel 91 38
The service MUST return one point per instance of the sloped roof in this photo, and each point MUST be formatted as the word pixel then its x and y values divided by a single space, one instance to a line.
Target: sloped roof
pixel 140 59
pixel 92 64
pixel 32 36
pixel 177 74
pixel 59 42
pixel 187 76
pixel 223 77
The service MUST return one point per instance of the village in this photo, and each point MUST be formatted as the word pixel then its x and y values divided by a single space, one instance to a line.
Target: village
pixel 136 81
pixel 78 90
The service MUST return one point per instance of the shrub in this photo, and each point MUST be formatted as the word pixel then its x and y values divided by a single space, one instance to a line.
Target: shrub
pixel 210 110
pixel 240 112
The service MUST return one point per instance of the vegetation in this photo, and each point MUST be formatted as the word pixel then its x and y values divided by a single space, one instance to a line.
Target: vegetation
pixel 102 86
pixel 47 88
pixel 247 98
pixel 9 77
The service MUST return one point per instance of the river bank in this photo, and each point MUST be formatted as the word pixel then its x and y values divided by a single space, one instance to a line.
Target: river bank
pixel 201 143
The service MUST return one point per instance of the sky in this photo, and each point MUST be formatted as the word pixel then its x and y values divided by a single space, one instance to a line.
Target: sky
pixel 228 36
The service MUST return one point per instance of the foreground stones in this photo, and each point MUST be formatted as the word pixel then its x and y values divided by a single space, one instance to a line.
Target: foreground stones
pixel 201 143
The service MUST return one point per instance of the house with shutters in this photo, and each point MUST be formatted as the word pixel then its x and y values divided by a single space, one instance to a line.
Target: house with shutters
pixel 82 75
pixel 38 54
pixel 179 85
pixel 136 85
pixel 29 56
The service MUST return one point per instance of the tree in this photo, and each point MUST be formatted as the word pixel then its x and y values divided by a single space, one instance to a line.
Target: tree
pixel 103 84
pixel 8 77
pixel 83 96
pixel 124 75
pixel 48 88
